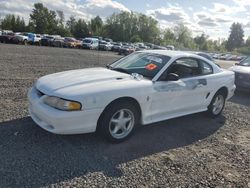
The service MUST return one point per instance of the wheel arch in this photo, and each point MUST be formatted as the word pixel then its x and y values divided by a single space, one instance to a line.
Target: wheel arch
pixel 127 99
pixel 223 90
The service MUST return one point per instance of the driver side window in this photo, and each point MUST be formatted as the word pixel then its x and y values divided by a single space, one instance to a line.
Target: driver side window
pixel 185 67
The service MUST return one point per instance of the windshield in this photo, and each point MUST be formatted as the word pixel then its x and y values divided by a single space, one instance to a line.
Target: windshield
pixel 87 41
pixel 70 39
pixel 146 64
pixel 245 62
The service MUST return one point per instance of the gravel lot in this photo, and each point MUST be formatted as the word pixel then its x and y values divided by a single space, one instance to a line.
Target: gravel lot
pixel 192 151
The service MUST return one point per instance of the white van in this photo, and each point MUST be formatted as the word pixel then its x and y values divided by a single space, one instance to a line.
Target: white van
pixel 90 43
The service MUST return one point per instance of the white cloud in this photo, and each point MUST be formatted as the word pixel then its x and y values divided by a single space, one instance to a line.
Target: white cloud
pixel 103 8
pixel 244 3
pixel 87 10
pixel 169 14
pixel 225 9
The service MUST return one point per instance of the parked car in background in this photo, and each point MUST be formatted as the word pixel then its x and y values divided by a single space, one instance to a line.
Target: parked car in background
pixel 108 40
pixel 225 56
pixel 71 42
pixel 157 47
pixel 142 88
pixel 170 47
pixel 8 37
pixel 126 49
pixel 106 46
pixel 78 44
pixel 240 57
pixel 47 40
pixel 140 46
pixel 34 38
pixel 97 37
pixel 6 32
pixel 149 45
pixel 233 57
pixel 205 55
pixel 242 74
pixel 216 56
pixel 57 42
pixel 22 38
pixel 90 43
pixel 116 46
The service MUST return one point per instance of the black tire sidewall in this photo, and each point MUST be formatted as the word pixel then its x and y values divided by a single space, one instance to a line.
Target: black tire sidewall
pixel 103 124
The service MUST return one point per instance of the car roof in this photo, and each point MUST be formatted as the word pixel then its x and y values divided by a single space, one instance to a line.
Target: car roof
pixel 89 38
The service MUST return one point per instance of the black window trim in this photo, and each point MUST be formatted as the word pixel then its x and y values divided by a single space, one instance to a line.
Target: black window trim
pixel 196 59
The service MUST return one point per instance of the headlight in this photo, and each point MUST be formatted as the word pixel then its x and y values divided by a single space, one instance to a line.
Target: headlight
pixel 62 104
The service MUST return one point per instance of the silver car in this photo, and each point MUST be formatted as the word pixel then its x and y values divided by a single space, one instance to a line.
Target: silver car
pixel 242 74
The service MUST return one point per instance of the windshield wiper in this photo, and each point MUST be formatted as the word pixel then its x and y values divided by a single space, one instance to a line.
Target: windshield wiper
pixel 120 70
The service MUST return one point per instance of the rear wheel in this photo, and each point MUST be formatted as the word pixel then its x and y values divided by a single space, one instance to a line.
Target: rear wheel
pixel 217 104
pixel 25 42
pixel 118 121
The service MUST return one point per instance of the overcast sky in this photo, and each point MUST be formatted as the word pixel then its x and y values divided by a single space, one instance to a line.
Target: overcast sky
pixel 212 17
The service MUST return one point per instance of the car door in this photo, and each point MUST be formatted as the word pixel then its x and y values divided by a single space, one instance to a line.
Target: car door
pixel 183 96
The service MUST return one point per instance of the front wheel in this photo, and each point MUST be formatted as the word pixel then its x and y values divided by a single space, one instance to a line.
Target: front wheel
pixel 217 104
pixel 25 42
pixel 118 121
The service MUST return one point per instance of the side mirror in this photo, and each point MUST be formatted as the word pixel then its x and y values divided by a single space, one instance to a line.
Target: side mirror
pixel 172 77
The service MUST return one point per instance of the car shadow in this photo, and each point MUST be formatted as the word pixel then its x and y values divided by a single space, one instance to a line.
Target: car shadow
pixel 242 98
pixel 32 157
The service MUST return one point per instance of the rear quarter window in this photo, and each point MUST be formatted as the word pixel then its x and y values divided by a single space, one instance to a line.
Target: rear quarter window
pixel 205 68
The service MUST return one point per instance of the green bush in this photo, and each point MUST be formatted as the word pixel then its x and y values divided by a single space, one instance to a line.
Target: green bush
pixel 244 50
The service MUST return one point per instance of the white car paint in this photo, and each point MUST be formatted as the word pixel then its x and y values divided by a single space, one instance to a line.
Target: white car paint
pixel 90 43
pixel 95 88
pixel 21 37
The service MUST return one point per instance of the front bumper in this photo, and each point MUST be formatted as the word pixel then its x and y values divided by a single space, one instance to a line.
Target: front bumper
pixel 231 92
pixel 84 46
pixel 242 81
pixel 61 122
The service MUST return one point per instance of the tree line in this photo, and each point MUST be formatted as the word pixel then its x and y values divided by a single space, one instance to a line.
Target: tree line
pixel 125 27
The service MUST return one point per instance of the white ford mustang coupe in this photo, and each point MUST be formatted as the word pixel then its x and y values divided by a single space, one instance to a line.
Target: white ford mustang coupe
pixel 142 88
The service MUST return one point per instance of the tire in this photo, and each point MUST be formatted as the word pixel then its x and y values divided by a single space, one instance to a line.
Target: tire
pixel 217 104
pixel 25 42
pixel 117 123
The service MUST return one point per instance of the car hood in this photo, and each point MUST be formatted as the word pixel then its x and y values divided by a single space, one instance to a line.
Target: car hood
pixel 82 80
pixel 240 69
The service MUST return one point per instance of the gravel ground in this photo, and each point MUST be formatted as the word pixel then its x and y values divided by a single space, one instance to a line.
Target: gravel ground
pixel 192 151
